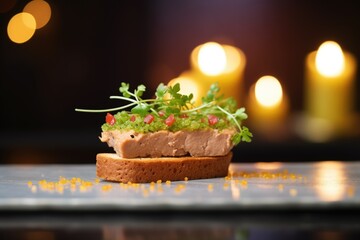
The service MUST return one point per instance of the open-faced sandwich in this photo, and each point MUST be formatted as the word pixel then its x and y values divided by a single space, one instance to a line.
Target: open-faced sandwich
pixel 167 137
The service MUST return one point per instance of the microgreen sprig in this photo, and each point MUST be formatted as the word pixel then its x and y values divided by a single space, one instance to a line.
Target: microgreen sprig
pixel 169 100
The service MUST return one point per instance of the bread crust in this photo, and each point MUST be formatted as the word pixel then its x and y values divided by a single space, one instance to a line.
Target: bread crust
pixel 111 167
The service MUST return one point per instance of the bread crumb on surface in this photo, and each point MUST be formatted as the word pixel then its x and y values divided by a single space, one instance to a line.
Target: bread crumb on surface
pixel 293 192
pixel 239 179
pixel 210 187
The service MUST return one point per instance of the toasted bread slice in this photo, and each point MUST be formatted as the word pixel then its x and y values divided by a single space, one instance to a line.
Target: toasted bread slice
pixel 110 166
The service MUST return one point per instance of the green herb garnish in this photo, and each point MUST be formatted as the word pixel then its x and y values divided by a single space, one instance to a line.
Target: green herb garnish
pixel 222 113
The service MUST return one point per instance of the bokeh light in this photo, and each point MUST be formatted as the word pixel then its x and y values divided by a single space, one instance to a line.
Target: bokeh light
pixel 268 91
pixel 329 59
pixel 41 11
pixel 330 180
pixel 233 58
pixel 187 86
pixel 21 27
pixel 211 59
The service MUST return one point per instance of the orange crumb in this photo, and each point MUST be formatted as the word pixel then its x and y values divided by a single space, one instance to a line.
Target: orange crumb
pixel 86 184
pixel 107 187
pixel 152 187
pixel 350 191
pixel 60 189
pixel 42 182
pixel 293 192
pixel 83 188
pixel 186 179
pixel 210 187
pixel 179 188
pixel 33 189
pixel 244 183
pixel 281 187
pixel 225 186
pixel 159 181
pixel 159 189
pixel 136 185
pixel 145 193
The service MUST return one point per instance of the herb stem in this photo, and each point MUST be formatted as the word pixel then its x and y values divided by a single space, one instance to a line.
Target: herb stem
pixel 123 98
pixel 197 108
pixel 231 116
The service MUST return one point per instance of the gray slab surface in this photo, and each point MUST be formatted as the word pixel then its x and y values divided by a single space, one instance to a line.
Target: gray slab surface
pixel 315 185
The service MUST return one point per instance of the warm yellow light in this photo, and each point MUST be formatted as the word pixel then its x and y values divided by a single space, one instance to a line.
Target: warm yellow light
pixel 233 59
pixel 21 27
pixel 330 184
pixel 268 165
pixel 235 190
pixel 268 91
pixel 41 11
pixel 187 86
pixel 211 59
pixel 329 59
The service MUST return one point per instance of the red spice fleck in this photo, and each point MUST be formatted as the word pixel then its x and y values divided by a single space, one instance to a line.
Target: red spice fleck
pixel 170 120
pixel 149 119
pixel 110 119
pixel 161 113
pixel 212 119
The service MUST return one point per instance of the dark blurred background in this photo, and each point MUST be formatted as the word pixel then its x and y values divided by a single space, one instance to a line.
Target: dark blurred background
pixel 88 47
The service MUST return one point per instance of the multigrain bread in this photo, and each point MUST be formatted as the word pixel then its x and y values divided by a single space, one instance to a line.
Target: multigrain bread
pixel 111 167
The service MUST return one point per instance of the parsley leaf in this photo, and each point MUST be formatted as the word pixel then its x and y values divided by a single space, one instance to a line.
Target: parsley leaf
pixel 142 109
pixel 124 89
pixel 161 91
pixel 140 90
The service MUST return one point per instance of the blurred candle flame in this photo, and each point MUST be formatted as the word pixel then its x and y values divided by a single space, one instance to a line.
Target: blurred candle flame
pixel 233 59
pixel 224 64
pixel 211 59
pixel 268 91
pixel 188 86
pixel 329 59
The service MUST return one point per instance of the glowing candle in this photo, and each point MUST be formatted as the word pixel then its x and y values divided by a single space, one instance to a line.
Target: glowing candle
pixel 329 96
pixel 267 105
pixel 224 64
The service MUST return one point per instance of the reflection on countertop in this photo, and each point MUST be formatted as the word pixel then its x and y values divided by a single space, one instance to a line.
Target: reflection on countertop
pixel 181 225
